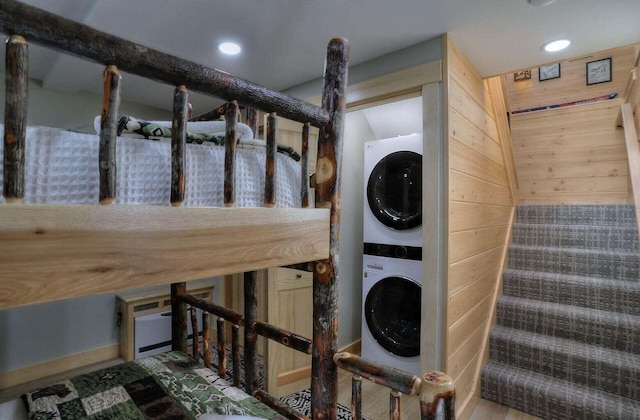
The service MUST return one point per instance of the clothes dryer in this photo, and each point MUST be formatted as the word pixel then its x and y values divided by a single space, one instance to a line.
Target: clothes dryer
pixel 393 191
pixel 391 307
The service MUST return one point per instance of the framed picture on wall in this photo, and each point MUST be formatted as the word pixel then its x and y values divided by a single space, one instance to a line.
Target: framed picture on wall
pixel 599 71
pixel 552 71
pixel 522 75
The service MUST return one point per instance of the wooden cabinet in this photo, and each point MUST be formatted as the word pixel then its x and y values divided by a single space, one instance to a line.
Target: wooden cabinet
pixel 290 299
pixel 147 301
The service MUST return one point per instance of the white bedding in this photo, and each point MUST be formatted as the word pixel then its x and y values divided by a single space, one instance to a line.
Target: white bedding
pixel 61 167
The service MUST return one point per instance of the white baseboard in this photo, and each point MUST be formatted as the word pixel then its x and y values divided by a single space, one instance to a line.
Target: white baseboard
pixel 56 366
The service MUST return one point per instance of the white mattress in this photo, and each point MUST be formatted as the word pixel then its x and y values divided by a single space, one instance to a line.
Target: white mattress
pixel 61 167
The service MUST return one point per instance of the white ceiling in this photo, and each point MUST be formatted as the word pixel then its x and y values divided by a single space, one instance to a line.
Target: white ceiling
pixel 284 40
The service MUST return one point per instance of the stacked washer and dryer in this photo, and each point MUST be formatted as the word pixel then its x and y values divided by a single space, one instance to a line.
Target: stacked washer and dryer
pixel 392 260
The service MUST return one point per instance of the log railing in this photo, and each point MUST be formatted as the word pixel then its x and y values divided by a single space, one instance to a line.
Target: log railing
pixel 436 390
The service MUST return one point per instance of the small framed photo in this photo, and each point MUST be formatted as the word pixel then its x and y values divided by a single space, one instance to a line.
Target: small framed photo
pixel 549 72
pixel 522 75
pixel 599 71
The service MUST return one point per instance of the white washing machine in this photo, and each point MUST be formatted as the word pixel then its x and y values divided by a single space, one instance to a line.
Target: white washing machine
pixel 391 307
pixel 393 191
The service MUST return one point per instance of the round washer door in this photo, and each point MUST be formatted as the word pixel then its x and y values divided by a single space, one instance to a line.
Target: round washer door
pixel 392 311
pixel 394 190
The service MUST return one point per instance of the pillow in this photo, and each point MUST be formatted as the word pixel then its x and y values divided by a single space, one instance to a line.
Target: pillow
pixel 211 128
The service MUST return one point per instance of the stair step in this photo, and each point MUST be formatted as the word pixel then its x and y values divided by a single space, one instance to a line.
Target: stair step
pixel 581 262
pixel 601 328
pixel 566 343
pixel 613 238
pixel 598 215
pixel 609 370
pixel 590 292
pixel 552 398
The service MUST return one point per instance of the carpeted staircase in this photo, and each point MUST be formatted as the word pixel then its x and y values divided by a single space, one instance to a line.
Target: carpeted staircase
pixel 567 340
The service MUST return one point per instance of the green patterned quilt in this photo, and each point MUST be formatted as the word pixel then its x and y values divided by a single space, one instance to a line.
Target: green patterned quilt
pixel 166 386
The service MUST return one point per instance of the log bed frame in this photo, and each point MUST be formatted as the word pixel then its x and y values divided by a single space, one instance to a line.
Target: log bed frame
pixel 64 251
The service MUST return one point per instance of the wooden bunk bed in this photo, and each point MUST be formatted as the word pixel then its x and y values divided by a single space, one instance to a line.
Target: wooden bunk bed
pixel 61 251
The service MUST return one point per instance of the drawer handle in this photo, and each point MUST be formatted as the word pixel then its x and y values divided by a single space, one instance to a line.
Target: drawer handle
pixel 298 276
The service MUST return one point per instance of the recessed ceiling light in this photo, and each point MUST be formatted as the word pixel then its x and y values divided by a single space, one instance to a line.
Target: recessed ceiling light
pixel 557 45
pixel 229 48
pixel 540 2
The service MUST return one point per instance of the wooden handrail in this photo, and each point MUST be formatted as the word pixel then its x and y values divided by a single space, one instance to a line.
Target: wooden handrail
pixel 633 155
pixel 500 109
pixel 631 93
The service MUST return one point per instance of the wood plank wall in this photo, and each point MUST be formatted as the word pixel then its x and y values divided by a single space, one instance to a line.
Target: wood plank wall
pixel 480 205
pixel 574 154
pixel 571 86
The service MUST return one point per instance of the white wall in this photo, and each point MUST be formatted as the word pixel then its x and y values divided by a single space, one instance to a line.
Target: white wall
pixel 74 111
pixel 357 131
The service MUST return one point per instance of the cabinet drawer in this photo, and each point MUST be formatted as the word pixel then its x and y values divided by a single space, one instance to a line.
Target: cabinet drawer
pixel 288 278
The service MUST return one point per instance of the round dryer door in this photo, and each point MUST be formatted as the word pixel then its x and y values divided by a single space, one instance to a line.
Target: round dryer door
pixel 394 190
pixel 392 312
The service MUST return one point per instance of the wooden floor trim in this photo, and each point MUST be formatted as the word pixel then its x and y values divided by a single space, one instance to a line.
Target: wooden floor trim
pixel 55 366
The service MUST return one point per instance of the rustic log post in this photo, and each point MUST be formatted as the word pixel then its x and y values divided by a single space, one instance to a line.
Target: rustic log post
pixel 356 397
pixel 270 165
pixel 324 374
pixel 108 134
pixel 178 318
pixel 230 142
pixel 206 337
pixel 195 353
pixel 251 119
pixel 235 354
pixel 304 167
pixel 280 407
pixel 395 405
pixel 15 116
pixel 179 145
pixel 284 337
pixel 221 349
pixel 213 115
pixel 221 311
pixel 390 377
pixel 250 335
pixel 437 397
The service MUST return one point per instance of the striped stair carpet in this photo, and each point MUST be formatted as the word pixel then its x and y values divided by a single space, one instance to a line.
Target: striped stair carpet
pixel 567 340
